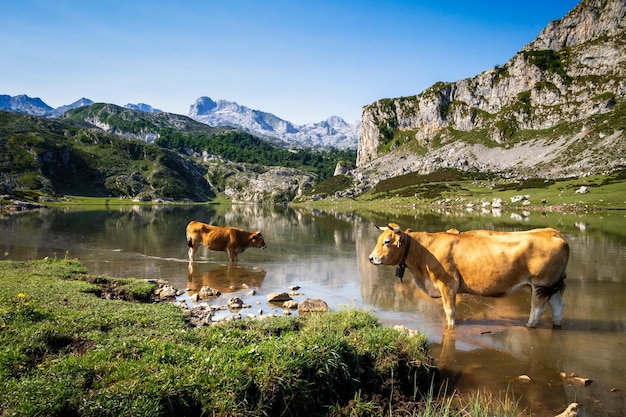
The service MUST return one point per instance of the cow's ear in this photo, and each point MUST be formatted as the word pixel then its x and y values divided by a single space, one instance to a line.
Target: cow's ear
pixel 394 227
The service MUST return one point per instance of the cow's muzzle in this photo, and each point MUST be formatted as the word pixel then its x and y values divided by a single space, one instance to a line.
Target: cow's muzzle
pixel 374 260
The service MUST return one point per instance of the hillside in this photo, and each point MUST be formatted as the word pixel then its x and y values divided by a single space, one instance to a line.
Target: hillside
pixel 72 157
pixel 106 150
pixel 183 134
pixel 556 109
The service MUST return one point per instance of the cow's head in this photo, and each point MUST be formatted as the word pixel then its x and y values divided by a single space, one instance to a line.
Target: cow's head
pixel 256 240
pixel 389 248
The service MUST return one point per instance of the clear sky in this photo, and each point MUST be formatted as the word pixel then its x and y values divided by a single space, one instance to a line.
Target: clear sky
pixel 303 61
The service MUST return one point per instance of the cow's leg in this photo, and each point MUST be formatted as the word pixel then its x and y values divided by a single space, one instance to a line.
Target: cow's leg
pixel 191 252
pixel 192 247
pixel 556 305
pixel 232 254
pixel 537 307
pixel 448 296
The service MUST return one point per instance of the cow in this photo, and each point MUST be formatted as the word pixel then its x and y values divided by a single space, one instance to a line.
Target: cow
pixel 230 239
pixel 480 262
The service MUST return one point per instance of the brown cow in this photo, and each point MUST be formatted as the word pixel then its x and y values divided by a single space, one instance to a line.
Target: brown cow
pixel 480 262
pixel 229 239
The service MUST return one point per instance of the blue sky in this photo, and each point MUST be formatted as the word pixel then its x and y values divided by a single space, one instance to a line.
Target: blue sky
pixel 302 61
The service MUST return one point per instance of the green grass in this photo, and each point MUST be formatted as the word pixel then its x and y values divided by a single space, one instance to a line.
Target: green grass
pixel 451 188
pixel 67 351
pixel 332 185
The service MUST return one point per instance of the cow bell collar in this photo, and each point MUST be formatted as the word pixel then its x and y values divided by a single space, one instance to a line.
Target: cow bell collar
pixel 402 266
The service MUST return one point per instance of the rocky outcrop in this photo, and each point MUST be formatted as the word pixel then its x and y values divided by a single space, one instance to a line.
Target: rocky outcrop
pixel 343 167
pixel 248 183
pixel 574 71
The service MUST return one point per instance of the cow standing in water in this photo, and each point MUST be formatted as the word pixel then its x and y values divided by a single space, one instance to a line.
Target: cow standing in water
pixel 480 262
pixel 228 239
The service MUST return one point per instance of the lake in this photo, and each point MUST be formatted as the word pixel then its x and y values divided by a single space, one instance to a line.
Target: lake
pixel 326 254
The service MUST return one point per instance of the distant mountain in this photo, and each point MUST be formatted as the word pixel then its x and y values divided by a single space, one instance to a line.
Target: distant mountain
pixel 78 103
pixel 24 104
pixel 137 124
pixel 143 107
pixel 190 137
pixel 36 107
pixel 333 132
pixel 106 150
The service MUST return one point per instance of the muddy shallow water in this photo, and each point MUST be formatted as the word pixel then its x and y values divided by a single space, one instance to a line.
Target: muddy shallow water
pixel 326 255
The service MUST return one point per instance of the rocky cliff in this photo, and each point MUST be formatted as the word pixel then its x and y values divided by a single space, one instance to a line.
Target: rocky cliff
pixel 538 112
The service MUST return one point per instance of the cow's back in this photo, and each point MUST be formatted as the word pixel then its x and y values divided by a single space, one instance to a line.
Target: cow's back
pixel 496 263
pixel 213 237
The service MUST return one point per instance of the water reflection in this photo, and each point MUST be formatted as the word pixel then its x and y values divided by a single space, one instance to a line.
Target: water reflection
pixel 227 278
pixel 326 254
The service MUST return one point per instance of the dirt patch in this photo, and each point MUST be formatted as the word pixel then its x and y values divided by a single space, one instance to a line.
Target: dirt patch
pixel 118 289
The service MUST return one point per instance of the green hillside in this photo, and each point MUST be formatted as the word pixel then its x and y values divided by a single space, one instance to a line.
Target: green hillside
pixel 72 157
pixel 184 134
pixel 102 150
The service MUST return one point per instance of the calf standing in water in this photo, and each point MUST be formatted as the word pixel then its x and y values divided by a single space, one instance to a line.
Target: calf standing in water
pixel 224 239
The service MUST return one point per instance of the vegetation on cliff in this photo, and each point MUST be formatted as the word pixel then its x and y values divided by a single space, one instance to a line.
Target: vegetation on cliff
pixel 554 110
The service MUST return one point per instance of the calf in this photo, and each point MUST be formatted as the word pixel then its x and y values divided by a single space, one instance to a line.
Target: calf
pixel 225 239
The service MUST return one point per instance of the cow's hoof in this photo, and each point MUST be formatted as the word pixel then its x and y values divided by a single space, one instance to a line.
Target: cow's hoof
pixel 556 326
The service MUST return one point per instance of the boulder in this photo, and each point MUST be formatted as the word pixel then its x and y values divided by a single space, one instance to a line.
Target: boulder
pixel 311 305
pixel 166 291
pixel 235 303
pixel 207 293
pixel 277 297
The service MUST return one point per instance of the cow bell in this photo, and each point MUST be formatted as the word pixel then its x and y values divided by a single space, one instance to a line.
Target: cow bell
pixel 400 271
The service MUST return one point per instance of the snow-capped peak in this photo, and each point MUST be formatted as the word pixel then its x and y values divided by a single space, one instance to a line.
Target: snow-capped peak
pixel 332 132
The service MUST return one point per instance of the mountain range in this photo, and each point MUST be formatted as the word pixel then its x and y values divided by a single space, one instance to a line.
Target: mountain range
pixel 331 133
pixel 556 109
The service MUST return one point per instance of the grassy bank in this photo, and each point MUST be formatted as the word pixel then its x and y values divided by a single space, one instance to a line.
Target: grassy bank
pixel 457 189
pixel 72 344
pixel 68 351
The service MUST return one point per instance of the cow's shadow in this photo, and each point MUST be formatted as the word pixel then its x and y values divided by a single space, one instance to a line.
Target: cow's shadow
pixel 225 278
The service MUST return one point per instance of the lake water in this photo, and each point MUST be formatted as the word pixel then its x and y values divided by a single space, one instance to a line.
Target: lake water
pixel 326 254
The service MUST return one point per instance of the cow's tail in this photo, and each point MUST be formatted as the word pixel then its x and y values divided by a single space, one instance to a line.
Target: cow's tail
pixel 559 286
pixel 547 291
